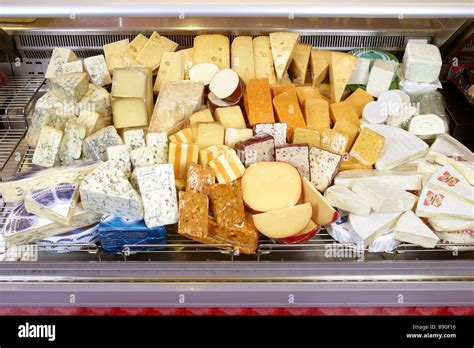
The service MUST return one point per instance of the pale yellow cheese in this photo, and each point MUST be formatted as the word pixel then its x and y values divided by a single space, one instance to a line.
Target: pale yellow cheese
pixel 171 69
pixel 340 71
pixel 152 52
pixel 230 117
pixel 187 61
pixel 307 136
pixel 129 83
pixel 242 58
pixel 209 134
pixel 299 65
pixel 319 63
pixel 129 55
pixel 348 128
pixel 213 48
pixel 262 55
pixel 283 46
pixel 113 54
pixel 334 141
pixel 129 112
pixel 367 147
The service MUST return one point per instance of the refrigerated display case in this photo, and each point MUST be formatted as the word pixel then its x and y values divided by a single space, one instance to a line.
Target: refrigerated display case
pixel 185 273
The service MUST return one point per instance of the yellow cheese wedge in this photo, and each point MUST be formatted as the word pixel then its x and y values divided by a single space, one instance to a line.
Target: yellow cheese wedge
pixel 212 48
pixel 151 54
pixel 129 56
pixel 359 99
pixel 307 136
pixel 283 46
pixel 340 70
pixel 367 147
pixel 322 212
pixel 242 58
pixel 113 54
pixel 316 112
pixel 263 60
pixel 299 64
pixel 319 64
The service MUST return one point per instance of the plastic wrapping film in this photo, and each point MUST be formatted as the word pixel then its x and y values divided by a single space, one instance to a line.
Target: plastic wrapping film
pixel 85 235
pixel 414 89
pixel 199 178
pixel 432 112
pixel 227 204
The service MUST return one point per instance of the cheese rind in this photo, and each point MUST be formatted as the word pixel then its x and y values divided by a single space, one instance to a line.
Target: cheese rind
pixel 436 203
pixel 263 59
pixel 451 181
pixel 283 45
pixel 343 198
pixel 200 178
pixel 412 230
pixel 259 148
pixel 385 198
pixel 213 48
pixel 96 67
pixel 48 146
pixel 279 131
pixel 242 58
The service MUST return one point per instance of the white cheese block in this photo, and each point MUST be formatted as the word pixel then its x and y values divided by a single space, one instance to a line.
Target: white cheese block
pixel 436 203
pixel 234 135
pixel 158 191
pixel 277 130
pixel 385 198
pixel 73 67
pixel 134 138
pixel 427 126
pixel 341 197
pixel 158 144
pixel 171 69
pixel 403 117
pixel 323 166
pixel 71 145
pixel 142 157
pixel 451 224
pixel 119 154
pixel 451 181
pixel 59 57
pixel 391 101
pixel 406 180
pixel 399 146
pixel 283 46
pixel 57 202
pixel 421 62
pixel 47 149
pixel 95 146
pixel 107 191
pixel 70 87
pixel 96 67
pixel 380 77
pixel 412 230
pixel 366 229
pixel 360 74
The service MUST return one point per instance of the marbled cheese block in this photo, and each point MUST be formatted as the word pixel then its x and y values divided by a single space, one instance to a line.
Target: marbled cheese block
pixel 234 135
pixel 158 144
pixel 211 153
pixel 59 57
pixel 323 167
pixel 183 136
pixel 227 167
pixel 295 154
pixel 142 157
pixel 95 146
pixel 119 154
pixel 135 138
pixel 71 87
pixel 73 67
pixel 71 146
pixel 259 148
pixel 96 99
pixel 181 156
pixel 277 130
pixel 97 69
pixel 158 192
pixel 107 191
pixel 47 149
pixel 193 214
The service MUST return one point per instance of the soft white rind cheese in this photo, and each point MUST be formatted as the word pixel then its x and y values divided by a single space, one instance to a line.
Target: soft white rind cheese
pixel 341 197
pixel 368 228
pixel 412 230
pixel 385 198
pixel 406 180
pixel 436 203
pixel 451 181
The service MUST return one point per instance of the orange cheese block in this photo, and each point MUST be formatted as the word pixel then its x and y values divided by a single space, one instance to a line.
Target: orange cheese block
pixel 344 110
pixel 316 113
pixel 258 102
pixel 227 167
pixel 183 136
pixel 333 141
pixel 288 111
pixel 306 92
pixel 348 128
pixel 323 213
pixel 359 99
pixel 279 89
pixel 181 156
pixel 367 147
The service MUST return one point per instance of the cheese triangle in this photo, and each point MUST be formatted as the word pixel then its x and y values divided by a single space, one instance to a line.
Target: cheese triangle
pixel 283 46
pixel 451 181
pixel 412 230
pixel 319 63
pixel 340 70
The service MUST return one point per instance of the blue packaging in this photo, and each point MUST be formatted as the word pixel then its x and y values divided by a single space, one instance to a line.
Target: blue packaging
pixel 115 232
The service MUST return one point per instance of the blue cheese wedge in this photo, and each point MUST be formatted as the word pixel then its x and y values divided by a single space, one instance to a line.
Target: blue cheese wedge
pixel 412 230
pixel 96 67
pixel 59 57
pixel 73 67
pixel 158 144
pixel 91 120
pixel 158 192
pixel 71 146
pixel 47 149
pixel 70 87
pixel 95 146
pixel 106 190
pixel 134 139
pixel 39 119
pixel 119 154
pixel 96 99
pixel 142 157
pixel 57 202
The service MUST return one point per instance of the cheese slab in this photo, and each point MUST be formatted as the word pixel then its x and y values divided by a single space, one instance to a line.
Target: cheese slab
pixel 451 224
pixel 227 204
pixel 129 55
pixel 212 48
pixel 283 45
pixel 57 202
pixel 113 54
pixel 324 166
pixel 258 99
pixel 288 111
pixel 399 146
pixel 295 154
pixel 193 213
pixel 323 212
pixel 233 136
pixel 158 144
pixel 316 112
pixel 73 67
pixel 96 67
pixel 91 120
pixel 451 181
pixel 59 57
pixel 366 229
pixel 227 167
pixel 201 116
pixel 242 58
pixel 436 203
pixel 319 64
pixel 129 112
pixel 408 181
pixel 334 141
pixel 171 69
pixel 230 117
pixel 411 229
pixel 134 138
pixel 349 129
pixel 181 156
pixel 343 198
pixel 142 157
pixel 209 134
pixel 211 153
pixel 183 136
pixel 48 146
pixel 263 59
pixel 307 136
pixel 299 64
pixel 153 53
pixel 344 110
pixel 158 192
pixel 360 74
pixel 380 77
pixel 95 145
pixel 307 92
pixel 359 99
pixel 95 99
pixel 421 62
pixel 119 154
pixel 340 70
pixel 260 147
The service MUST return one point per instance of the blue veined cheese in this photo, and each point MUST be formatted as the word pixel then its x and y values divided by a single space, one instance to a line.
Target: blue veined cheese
pixel 107 190
pixel 70 87
pixel 135 138
pixel 97 69
pixel 73 67
pixel 142 157
pixel 95 146
pixel 22 227
pixel 158 191
pixel 39 119
pixel 59 57
pixel 47 148
pixel 56 202
pixel 158 144
pixel 427 126
pixel 71 146
pixel 120 155
pixel 95 99
pixel 91 120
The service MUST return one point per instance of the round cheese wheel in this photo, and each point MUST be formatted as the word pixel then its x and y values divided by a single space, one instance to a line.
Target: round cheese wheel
pixel 391 101
pixel 203 72
pixel 226 85
pixel 374 112
pixel 405 97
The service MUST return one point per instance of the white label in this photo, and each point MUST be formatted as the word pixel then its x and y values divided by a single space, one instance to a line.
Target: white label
pixel 72 298
pixel 400 298
pixel 181 299
pixel 291 298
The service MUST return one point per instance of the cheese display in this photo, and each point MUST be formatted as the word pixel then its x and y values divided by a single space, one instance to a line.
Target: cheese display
pixel 234 136
pixel 263 60
pixel 316 112
pixel 95 146
pixel 152 54
pixel 97 69
pixel 449 180
pixel 278 131
pixel 113 54
pixel 288 111
pixel 319 63
pixel 181 155
pixel 120 155
pixel 259 148
pixel 283 45
pixel 340 70
pixel 227 167
pixel 230 117
pixel 307 136
pixel 421 62
pixel 436 203
pixel 213 48
pixel 71 145
pixel 408 181
pixel 171 69
pixel 343 198
pixel 295 154
pixel 411 229
pixel 323 166
pixel 242 61
pixel 227 204
pixel 59 57
pixel 258 98
pixel 48 146
pixel 299 64
pixel 366 229
pixel 70 87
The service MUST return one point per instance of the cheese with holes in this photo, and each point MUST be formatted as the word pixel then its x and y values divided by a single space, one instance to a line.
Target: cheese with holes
pixel 113 54
pixel 263 59
pixel 227 167
pixel 129 55
pixel 258 98
pixel 59 57
pixel 436 203
pixel 171 69
pixel 181 156
pixel 343 198
pixel 230 117
pixel 288 111
pixel 411 229
pixel 96 67
pixel 367 147
pixel 283 45
pixel 307 136
pixel 73 67
pixel 324 166
pixel 242 58
pixel 259 148
pixel 187 61
pixel 295 154
pixel 358 100
pixel 120 155
pixel 154 53
pixel 134 138
pixel 70 87
pixel 451 181
pixel 158 144
pixel 71 145
pixel 323 213
pixel 233 136
pixel 95 145
pixel 299 64
pixel 316 112
pixel 211 153
pixel 48 146
pixel 340 70
pixel 213 48
pixel 366 229
pixel 183 136
pixel 319 64
pixel 333 141
pixel 106 190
